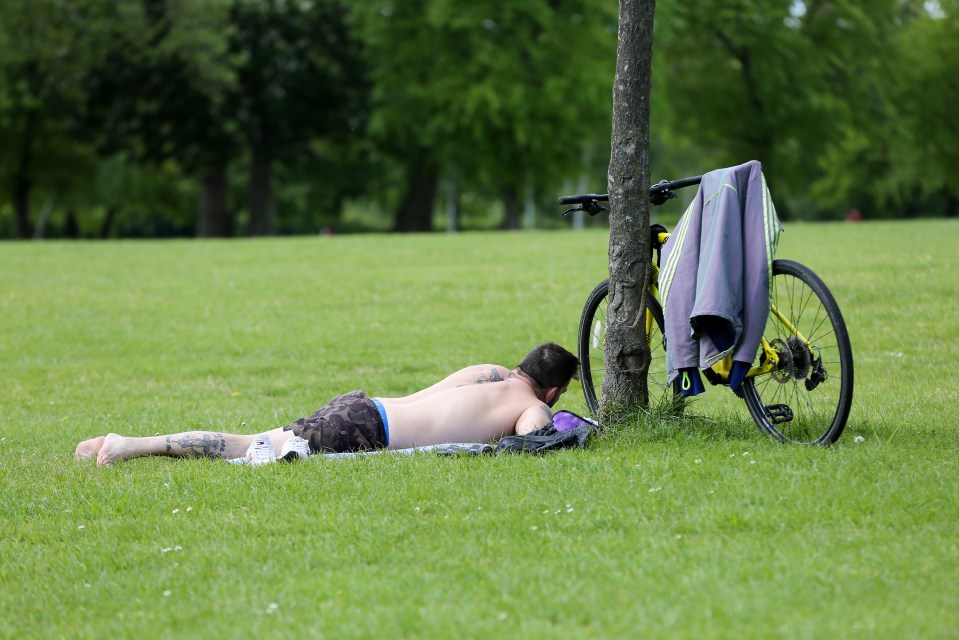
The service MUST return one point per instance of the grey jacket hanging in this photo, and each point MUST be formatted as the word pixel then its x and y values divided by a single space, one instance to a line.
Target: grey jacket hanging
pixel 716 270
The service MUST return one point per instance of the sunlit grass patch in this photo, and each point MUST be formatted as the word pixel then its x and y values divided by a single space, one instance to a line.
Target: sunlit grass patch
pixel 681 525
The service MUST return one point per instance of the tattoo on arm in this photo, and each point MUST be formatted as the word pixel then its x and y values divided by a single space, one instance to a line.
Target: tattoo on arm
pixel 494 376
pixel 202 444
pixel 548 412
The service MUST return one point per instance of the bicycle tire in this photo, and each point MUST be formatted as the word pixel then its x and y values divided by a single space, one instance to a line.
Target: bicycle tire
pixel 815 411
pixel 592 335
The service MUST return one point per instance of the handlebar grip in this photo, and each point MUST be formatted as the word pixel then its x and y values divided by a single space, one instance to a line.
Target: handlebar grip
pixel 586 197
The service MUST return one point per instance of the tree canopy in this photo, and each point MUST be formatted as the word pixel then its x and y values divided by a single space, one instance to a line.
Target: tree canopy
pixel 235 117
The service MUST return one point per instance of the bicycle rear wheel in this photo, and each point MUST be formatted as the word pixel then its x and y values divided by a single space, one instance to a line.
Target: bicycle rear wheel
pixel 808 398
pixel 592 337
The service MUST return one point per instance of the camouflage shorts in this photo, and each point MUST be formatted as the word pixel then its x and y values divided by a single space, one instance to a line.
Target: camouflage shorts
pixel 350 422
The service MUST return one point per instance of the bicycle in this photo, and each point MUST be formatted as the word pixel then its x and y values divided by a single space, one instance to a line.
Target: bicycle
pixel 801 389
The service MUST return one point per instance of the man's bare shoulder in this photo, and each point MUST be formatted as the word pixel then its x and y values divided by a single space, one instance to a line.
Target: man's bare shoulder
pixel 481 374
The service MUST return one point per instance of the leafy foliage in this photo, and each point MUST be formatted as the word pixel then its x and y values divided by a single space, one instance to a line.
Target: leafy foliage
pixel 282 115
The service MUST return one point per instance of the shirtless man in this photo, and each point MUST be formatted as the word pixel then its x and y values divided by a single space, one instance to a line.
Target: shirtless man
pixel 480 403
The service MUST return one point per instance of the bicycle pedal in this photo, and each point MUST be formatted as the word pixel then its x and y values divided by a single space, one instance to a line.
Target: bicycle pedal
pixel 779 413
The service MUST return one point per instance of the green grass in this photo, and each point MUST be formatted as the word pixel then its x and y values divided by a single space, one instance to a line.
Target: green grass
pixel 693 528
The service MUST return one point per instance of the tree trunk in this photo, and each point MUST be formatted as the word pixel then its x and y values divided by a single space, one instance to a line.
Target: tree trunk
pixel 513 207
pixel 106 227
pixel 71 227
pixel 452 203
pixel 213 220
pixel 415 212
pixel 262 219
pixel 21 206
pixel 626 351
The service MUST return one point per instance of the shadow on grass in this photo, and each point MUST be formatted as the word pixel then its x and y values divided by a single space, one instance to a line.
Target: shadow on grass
pixel 675 421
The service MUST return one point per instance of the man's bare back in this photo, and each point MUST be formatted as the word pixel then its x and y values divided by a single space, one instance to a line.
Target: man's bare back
pixel 481 403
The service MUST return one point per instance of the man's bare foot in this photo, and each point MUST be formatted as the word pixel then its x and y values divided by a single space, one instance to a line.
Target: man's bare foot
pixel 89 448
pixel 114 449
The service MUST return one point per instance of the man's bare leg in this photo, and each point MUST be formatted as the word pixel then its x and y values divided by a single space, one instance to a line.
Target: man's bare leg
pixel 116 448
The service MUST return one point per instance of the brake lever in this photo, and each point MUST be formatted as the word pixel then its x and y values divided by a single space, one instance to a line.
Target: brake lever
pixel 592 208
pixel 659 197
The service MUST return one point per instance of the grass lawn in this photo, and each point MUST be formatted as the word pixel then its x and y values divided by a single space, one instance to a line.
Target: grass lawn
pixel 696 528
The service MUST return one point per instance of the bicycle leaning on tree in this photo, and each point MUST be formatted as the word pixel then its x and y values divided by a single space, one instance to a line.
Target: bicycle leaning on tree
pixel 800 386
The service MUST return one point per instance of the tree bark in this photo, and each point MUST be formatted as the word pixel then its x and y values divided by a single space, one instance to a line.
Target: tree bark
pixel 626 351
pixel 213 220
pixel 415 212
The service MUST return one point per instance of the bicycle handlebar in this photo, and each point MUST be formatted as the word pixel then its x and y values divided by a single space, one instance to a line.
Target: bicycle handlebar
pixel 658 193
pixel 586 197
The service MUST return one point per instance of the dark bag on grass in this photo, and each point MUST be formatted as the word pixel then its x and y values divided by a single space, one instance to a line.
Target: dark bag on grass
pixel 567 430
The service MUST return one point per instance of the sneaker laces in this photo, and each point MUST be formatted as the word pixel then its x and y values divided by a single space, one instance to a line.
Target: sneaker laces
pixel 295 448
pixel 261 451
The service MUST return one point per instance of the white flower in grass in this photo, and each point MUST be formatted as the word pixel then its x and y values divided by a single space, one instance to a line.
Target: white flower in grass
pixel 533 528
pixel 745 453
pixel 81 527
pixel 271 608
pixel 176 511
pixel 167 593
pixel 698 461
pixel 858 439
pixel 178 548
pixel 752 462
pixel 569 510
pixel 166 549
pixel 655 489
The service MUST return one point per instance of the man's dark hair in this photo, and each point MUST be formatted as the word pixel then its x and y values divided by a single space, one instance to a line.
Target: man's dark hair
pixel 550 365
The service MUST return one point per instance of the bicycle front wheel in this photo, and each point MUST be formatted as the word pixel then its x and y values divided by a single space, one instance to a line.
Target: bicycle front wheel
pixel 808 398
pixel 592 337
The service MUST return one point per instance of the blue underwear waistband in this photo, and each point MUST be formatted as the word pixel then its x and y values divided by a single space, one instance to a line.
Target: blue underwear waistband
pixel 386 423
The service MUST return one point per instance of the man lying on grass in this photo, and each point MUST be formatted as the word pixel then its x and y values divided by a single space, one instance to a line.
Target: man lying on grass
pixel 480 403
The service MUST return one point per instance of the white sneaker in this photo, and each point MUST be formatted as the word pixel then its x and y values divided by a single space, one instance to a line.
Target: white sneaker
pixel 261 451
pixel 295 448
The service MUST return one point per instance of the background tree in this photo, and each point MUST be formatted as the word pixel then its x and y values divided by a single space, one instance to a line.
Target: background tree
pixel 508 94
pixel 626 352
pixel 46 49
pixel 157 98
pixel 770 79
pixel 299 78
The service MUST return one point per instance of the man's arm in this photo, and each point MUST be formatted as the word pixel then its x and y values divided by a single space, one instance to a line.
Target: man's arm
pixel 476 374
pixel 534 418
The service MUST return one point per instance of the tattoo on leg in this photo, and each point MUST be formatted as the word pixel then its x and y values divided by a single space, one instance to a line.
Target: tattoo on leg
pixel 204 444
pixel 169 447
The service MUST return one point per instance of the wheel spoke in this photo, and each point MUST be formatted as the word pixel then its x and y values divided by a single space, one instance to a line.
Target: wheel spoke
pixel 819 414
